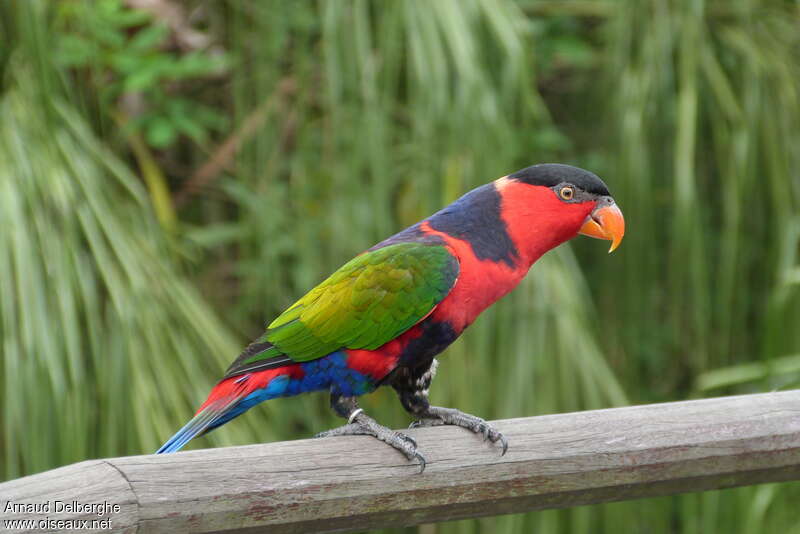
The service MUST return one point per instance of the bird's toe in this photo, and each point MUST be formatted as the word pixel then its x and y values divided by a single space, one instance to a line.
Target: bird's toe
pixel 422 423
pixel 407 438
pixel 345 430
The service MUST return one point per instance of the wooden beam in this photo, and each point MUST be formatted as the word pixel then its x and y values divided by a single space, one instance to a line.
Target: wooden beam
pixel 356 483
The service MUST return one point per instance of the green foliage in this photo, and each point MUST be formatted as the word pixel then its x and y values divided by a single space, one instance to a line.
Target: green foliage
pixel 92 301
pixel 124 52
pixel 380 113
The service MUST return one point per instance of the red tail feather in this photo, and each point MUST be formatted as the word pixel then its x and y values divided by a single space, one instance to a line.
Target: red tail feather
pixel 241 386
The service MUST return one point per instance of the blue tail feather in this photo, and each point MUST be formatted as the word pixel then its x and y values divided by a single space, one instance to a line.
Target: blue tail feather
pixel 222 410
pixel 199 424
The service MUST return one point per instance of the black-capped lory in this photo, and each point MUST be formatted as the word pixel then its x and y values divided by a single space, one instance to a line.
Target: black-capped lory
pixel 383 317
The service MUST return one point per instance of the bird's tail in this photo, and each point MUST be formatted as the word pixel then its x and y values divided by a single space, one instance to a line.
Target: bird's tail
pixel 229 398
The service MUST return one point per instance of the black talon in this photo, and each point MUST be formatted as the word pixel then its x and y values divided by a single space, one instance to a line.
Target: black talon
pixel 422 462
pixel 504 441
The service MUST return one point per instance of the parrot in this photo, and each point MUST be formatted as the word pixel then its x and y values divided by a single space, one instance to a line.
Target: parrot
pixel 384 316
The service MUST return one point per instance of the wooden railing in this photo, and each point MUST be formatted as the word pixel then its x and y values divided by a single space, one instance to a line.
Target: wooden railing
pixel 357 483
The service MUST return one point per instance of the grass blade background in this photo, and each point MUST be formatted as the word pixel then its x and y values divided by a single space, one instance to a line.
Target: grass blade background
pixel 113 332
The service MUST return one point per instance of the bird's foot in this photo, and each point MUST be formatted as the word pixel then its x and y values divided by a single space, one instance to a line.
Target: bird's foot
pixel 363 425
pixel 436 416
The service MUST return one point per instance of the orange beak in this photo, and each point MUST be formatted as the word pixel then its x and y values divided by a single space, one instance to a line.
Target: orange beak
pixel 605 222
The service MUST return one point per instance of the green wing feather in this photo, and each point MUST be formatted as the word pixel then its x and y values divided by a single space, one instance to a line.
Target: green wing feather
pixel 370 300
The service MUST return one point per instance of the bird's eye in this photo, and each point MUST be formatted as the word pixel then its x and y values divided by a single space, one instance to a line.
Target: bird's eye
pixel 567 193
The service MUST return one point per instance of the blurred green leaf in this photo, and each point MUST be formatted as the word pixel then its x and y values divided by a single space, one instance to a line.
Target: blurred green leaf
pixel 160 132
pixel 214 235
pixel 75 51
pixel 126 51
pixel 736 375
pixel 380 113
pixel 148 38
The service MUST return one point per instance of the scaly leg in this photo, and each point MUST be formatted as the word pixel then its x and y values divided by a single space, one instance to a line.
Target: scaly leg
pixel 360 424
pixel 413 393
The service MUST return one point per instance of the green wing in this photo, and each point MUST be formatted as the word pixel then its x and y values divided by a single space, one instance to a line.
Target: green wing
pixel 370 300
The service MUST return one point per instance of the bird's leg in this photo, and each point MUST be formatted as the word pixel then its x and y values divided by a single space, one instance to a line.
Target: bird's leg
pixel 413 393
pixel 359 424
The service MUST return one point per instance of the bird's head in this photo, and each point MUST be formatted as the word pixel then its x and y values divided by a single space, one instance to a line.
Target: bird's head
pixel 545 205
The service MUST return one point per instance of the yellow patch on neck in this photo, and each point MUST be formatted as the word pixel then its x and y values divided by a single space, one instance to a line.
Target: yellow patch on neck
pixel 501 183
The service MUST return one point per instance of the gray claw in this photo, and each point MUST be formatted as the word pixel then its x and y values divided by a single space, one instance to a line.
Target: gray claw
pixel 494 436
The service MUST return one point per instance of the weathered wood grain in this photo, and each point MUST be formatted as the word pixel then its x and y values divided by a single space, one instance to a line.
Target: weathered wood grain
pixel 356 483
pixel 89 483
